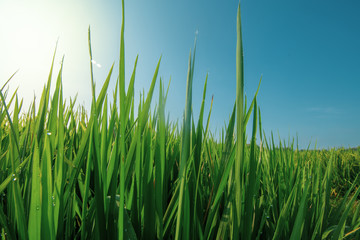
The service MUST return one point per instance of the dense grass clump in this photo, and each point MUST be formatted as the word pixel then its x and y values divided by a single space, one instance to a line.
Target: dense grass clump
pixel 66 174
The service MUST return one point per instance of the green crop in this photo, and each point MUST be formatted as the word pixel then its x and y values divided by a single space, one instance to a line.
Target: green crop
pixel 66 174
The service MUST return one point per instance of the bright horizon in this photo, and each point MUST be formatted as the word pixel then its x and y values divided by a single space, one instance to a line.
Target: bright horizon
pixel 307 53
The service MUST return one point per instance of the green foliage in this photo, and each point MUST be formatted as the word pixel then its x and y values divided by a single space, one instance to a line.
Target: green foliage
pixel 68 175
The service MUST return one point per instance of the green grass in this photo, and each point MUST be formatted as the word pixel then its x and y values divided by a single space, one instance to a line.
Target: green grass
pixel 66 174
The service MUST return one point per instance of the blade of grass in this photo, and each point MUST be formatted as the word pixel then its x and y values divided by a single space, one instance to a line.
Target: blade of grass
pixel 185 151
pixel 122 126
pixel 250 192
pixel 239 124
pixel 34 226
pixel 47 208
pixel 59 171
pixel 160 164
pixel 301 215
pixel 100 222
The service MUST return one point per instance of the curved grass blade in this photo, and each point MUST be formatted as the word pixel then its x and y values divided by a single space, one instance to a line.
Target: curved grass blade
pixel 301 215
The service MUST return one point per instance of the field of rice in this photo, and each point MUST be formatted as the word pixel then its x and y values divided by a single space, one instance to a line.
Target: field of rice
pixel 69 174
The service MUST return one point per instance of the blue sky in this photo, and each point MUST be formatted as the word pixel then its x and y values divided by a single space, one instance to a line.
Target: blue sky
pixel 307 52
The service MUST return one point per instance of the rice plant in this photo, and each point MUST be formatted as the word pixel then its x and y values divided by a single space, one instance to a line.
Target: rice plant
pixel 69 174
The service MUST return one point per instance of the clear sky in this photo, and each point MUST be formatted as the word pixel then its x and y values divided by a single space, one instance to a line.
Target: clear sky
pixel 308 53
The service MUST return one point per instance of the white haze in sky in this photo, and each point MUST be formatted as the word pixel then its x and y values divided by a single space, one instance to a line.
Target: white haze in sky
pixel 29 31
